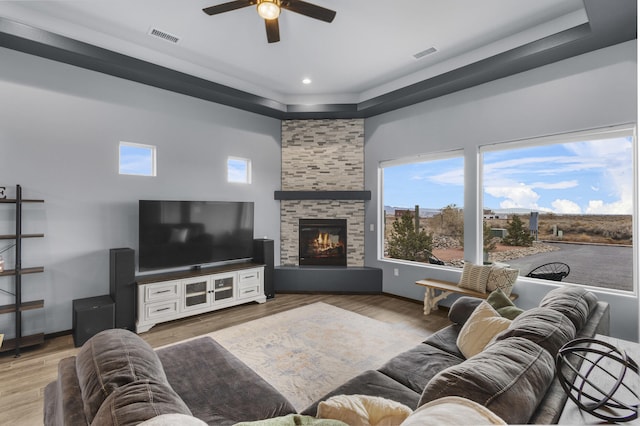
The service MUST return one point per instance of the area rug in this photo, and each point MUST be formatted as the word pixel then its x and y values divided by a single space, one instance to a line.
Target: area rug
pixel 308 351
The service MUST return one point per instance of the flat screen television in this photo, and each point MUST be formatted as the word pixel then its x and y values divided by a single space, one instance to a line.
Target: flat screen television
pixel 193 233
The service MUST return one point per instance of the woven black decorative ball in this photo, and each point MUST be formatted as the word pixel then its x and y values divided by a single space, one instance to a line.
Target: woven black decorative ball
pixel 600 378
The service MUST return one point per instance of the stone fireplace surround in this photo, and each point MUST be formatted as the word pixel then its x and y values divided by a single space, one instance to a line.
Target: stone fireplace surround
pixel 323 157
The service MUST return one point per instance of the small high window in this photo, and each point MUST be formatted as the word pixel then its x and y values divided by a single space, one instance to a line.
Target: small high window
pixel 137 159
pixel 238 170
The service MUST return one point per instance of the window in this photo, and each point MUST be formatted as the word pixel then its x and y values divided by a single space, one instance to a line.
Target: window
pixel 422 201
pixel 137 159
pixel 238 170
pixel 565 200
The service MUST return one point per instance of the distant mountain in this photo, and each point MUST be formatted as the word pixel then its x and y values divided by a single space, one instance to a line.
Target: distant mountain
pixel 424 212
pixel 515 211
pixel 427 212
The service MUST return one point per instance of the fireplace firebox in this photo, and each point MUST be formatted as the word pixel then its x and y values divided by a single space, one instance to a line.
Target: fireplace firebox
pixel 323 242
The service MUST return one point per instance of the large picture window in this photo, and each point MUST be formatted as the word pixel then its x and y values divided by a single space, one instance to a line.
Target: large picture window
pixel 423 209
pixel 562 208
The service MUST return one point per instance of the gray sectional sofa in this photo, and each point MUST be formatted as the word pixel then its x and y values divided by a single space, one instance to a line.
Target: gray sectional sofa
pixel 116 378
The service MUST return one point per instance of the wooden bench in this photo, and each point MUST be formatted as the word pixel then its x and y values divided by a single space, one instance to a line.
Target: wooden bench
pixel 446 288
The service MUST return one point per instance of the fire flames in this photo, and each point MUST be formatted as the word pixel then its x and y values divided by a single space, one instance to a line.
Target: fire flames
pixel 326 242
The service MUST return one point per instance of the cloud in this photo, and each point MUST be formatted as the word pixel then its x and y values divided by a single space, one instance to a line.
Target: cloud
pixel 600 207
pixel 556 185
pixel 566 207
pixel 520 196
pixel 522 177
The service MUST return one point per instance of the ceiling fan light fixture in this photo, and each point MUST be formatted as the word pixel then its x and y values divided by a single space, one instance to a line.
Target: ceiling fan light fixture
pixel 269 9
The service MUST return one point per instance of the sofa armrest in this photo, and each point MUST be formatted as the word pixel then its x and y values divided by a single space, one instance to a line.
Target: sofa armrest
pixel 63 398
pixel 550 409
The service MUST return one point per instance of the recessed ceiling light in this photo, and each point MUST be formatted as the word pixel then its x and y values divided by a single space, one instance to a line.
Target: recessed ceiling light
pixel 306 80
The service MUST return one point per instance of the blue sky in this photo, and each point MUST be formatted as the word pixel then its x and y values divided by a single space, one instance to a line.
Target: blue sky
pixel 136 160
pixel 237 170
pixel 591 177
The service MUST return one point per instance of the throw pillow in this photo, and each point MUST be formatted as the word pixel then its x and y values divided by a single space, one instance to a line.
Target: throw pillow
pixel 173 419
pixel 452 410
pixel 502 278
pixel 474 277
pixel 503 305
pixel 363 410
pixel 292 420
pixel 483 324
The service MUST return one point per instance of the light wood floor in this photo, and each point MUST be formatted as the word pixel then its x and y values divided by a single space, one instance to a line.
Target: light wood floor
pixel 22 380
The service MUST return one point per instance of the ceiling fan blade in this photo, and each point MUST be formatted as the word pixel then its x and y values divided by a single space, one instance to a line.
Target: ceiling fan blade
pixel 227 7
pixel 273 30
pixel 308 9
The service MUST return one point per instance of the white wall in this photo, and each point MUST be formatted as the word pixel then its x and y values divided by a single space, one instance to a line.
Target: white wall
pixel 594 90
pixel 59 132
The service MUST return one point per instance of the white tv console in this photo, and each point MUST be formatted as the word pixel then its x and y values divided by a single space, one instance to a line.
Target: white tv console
pixel 169 296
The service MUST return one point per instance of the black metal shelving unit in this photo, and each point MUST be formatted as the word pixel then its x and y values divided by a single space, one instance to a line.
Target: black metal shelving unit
pixel 20 341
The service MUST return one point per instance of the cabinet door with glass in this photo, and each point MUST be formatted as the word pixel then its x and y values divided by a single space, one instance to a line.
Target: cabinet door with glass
pixel 223 287
pixel 196 293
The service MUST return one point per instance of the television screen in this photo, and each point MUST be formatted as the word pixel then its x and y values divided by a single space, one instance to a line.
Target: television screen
pixel 192 233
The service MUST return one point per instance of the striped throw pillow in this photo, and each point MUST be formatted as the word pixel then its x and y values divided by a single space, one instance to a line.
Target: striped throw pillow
pixel 474 277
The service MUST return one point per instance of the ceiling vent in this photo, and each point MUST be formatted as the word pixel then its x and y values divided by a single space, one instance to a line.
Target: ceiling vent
pixel 424 53
pixel 164 35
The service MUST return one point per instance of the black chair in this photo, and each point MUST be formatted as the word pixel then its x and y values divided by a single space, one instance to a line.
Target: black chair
pixel 434 260
pixel 554 271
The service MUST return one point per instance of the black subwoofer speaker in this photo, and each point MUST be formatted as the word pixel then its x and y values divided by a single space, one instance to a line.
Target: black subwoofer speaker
pixel 263 253
pixel 91 316
pixel 122 286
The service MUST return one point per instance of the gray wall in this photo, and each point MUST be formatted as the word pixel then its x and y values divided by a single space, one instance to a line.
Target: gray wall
pixel 59 132
pixel 593 90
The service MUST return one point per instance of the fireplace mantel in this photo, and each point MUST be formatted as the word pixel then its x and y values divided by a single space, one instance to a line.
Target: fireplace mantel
pixel 323 195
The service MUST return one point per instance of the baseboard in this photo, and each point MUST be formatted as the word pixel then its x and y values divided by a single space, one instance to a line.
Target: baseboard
pixel 57 334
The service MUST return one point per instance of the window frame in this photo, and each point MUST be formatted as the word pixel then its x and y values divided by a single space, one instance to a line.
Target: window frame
pixel 418 158
pixel 610 132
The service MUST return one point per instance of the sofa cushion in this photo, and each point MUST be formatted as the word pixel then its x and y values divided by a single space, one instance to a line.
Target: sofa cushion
pixel 363 410
pixel 474 277
pixel 415 367
pixel 110 359
pixel 462 308
pixel 543 326
pixel 218 387
pixel 372 383
pixel 137 402
pixel 509 377
pixel 575 303
pixel 445 339
pixel 483 324
pixel 452 410
pixel 503 305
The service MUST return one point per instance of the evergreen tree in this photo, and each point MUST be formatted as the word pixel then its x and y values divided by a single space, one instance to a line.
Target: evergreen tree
pixel 517 235
pixel 488 242
pixel 408 241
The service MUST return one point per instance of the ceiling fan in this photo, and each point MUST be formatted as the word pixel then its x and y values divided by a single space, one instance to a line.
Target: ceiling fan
pixel 269 10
